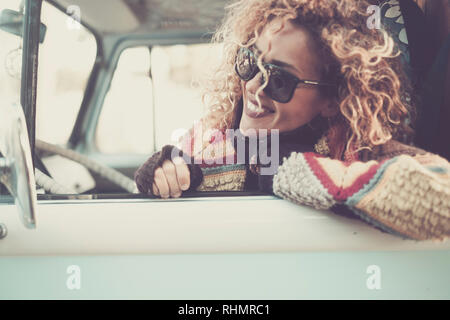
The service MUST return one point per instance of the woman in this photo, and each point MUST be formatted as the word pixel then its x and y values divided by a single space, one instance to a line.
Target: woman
pixel 335 91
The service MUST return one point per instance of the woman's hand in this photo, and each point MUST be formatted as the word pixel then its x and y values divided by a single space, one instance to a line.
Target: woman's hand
pixel 171 179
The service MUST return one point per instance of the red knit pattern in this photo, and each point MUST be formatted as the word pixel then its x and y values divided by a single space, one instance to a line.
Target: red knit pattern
pixel 318 171
pixel 339 193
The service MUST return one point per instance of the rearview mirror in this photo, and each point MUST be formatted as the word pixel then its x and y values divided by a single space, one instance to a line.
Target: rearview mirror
pixel 16 167
pixel 12 22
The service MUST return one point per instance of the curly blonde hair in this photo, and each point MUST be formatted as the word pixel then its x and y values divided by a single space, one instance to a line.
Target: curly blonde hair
pixel 372 90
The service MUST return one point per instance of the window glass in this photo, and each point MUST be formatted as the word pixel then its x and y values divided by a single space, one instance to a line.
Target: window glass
pixel 140 114
pixel 10 58
pixel 177 71
pixel 66 59
pixel 10 64
pixel 126 121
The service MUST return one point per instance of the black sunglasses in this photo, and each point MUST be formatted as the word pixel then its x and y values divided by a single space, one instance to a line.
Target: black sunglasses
pixel 281 85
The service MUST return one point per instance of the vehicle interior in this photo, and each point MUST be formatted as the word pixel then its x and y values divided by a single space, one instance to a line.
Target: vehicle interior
pixel 81 113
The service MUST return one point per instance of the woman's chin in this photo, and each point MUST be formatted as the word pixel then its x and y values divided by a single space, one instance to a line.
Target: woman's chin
pixel 248 129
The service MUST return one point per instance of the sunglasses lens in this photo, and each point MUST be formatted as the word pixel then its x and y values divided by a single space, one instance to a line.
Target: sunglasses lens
pixel 280 87
pixel 245 64
pixel 281 84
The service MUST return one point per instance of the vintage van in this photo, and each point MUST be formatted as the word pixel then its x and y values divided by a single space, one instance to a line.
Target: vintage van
pixel 88 91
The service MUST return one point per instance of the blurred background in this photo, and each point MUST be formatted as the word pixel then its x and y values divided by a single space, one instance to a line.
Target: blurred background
pixel 126 125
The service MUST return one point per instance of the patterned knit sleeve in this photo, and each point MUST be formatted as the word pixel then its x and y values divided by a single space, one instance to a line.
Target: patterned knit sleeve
pixel 408 196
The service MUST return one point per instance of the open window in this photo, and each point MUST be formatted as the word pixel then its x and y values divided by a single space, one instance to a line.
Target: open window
pixel 153 93
pixel 66 58
pixel 113 96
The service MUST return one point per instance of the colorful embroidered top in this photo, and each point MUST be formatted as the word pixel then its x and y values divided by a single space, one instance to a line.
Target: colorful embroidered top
pixel 396 188
pixel 405 195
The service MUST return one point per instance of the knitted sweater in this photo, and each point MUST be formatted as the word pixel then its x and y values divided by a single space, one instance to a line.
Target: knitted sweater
pixel 396 188
pixel 215 165
pixel 404 195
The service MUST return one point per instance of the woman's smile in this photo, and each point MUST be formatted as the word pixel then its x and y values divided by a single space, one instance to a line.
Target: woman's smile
pixel 252 110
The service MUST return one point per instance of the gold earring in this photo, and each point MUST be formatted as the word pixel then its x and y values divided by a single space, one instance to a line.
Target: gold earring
pixel 321 147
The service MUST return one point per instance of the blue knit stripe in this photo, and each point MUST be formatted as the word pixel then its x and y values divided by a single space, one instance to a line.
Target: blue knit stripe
pixel 358 196
pixel 436 169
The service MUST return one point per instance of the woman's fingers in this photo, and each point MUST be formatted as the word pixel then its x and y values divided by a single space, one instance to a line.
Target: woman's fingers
pixel 155 190
pixel 171 178
pixel 182 171
pixel 161 183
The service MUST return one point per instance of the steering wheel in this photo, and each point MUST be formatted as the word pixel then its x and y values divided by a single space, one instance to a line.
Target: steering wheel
pixel 50 185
